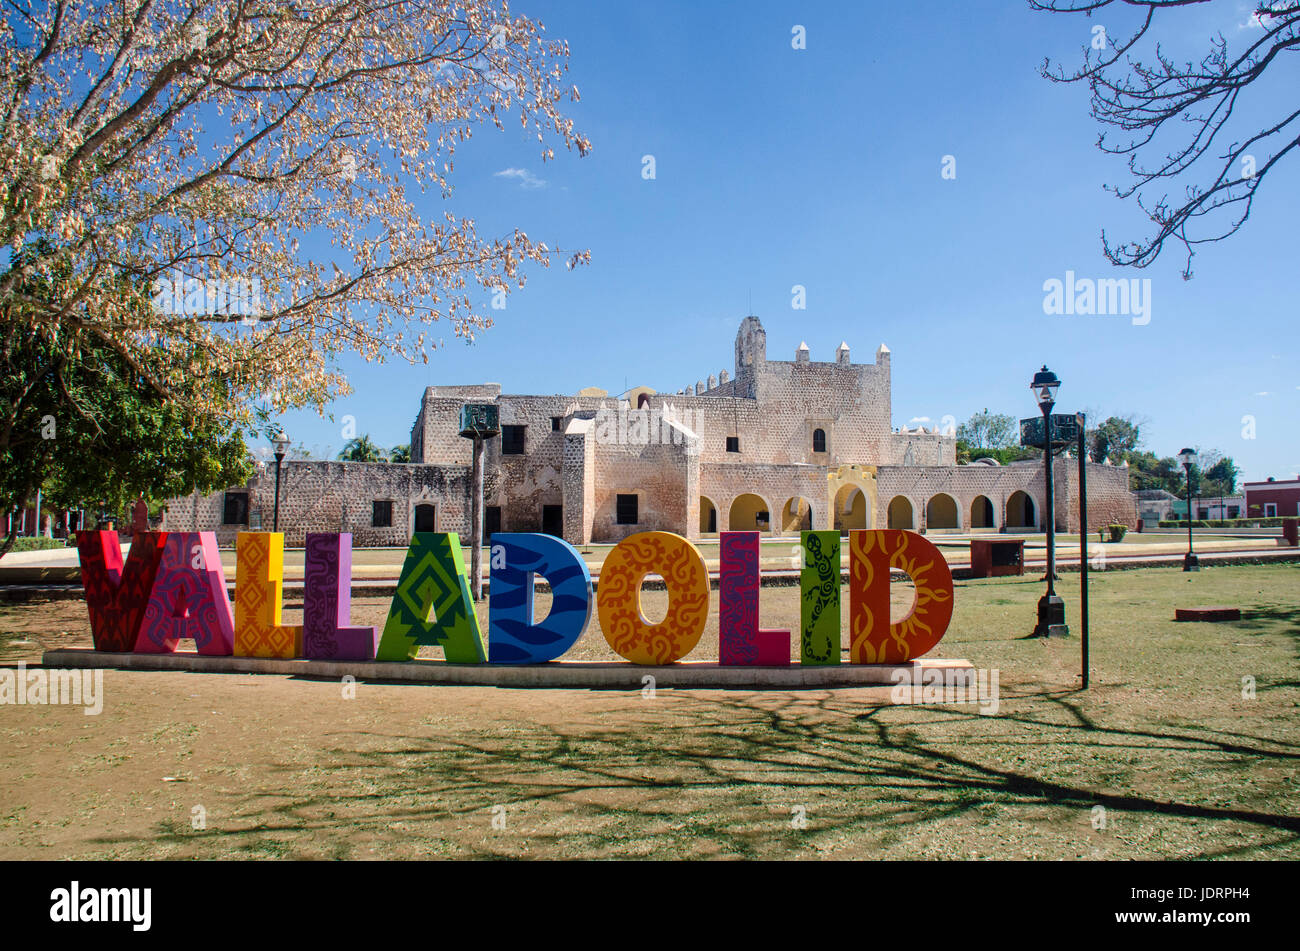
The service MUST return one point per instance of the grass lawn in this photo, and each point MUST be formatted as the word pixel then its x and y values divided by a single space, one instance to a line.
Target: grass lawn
pixel 1180 762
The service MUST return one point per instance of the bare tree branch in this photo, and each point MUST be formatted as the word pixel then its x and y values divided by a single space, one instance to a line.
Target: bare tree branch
pixel 1152 102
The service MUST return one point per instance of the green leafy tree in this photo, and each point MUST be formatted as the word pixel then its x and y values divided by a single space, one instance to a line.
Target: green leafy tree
pixel 1222 476
pixel 362 449
pixel 79 422
pixel 987 430
pixel 991 436
pixel 1115 438
pixel 1002 456
pixel 1148 471
pixel 400 453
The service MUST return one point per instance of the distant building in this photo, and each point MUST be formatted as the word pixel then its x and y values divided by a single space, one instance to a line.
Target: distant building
pixel 1211 507
pixel 781 446
pixel 1155 506
pixel 1272 498
pixel 47 523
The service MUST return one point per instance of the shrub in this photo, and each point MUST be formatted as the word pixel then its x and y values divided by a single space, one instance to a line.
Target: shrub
pixel 37 544
pixel 1258 522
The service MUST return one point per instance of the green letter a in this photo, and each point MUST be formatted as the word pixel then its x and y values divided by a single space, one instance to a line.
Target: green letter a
pixel 433 577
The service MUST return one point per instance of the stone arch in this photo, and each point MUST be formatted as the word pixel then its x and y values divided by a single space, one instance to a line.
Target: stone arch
pixel 860 477
pixel 744 511
pixel 1021 511
pixel 942 512
pixel 850 508
pixel 901 513
pixel 708 516
pixel 796 515
pixel 981 513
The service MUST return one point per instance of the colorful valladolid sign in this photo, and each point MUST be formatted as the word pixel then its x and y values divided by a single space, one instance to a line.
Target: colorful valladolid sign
pixel 172 586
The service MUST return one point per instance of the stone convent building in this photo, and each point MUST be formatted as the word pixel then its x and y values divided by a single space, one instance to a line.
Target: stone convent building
pixel 776 446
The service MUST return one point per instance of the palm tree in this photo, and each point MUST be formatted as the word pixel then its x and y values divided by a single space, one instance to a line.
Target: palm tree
pixel 362 449
pixel 400 453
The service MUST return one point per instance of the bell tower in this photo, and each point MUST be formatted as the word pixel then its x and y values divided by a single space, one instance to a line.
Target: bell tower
pixel 751 355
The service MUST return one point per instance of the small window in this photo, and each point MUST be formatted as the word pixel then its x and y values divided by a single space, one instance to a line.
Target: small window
pixel 555 423
pixel 553 520
pixel 512 440
pixel 236 508
pixel 626 510
pixel 733 444
pixel 381 514
pixel 819 440
pixel 492 520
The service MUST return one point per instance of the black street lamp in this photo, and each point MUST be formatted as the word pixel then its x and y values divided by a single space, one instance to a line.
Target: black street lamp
pixel 1051 607
pixel 1187 457
pixel 281 443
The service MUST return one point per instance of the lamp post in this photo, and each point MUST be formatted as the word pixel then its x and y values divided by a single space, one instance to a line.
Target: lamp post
pixel 479 422
pixel 281 443
pixel 1081 423
pixel 1051 607
pixel 1187 457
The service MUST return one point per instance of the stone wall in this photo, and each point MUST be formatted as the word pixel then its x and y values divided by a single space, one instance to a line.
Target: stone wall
pixel 664 476
pixel 723 483
pixel 334 497
pixel 1109 499
pixel 582 452
pixel 1110 502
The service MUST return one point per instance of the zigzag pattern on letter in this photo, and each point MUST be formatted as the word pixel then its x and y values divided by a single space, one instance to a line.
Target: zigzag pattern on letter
pixel 433 577
pixel 259 579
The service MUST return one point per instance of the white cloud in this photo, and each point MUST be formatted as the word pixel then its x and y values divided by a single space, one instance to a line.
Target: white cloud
pixel 1254 23
pixel 1262 393
pixel 526 178
pixel 918 419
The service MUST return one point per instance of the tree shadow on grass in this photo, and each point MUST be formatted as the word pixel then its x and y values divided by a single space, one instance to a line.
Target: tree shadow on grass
pixel 1271 620
pixel 718 774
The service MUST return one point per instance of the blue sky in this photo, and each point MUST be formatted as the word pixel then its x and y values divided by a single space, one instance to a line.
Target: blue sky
pixel 822 167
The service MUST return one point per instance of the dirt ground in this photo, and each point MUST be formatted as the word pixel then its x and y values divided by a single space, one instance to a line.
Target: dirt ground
pixel 1168 755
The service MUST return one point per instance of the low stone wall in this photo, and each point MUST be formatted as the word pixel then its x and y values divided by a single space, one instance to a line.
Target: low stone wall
pixel 334 497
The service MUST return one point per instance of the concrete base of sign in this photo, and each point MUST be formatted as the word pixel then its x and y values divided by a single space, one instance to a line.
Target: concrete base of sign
pixel 1208 613
pixel 570 674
